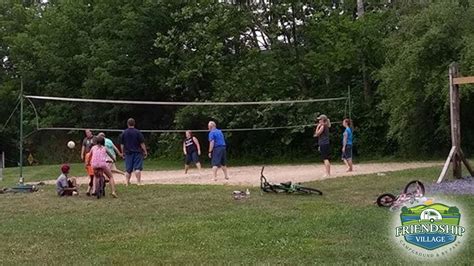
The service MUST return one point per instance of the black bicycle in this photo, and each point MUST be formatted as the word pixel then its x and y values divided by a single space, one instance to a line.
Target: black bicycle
pixel 287 187
pixel 100 185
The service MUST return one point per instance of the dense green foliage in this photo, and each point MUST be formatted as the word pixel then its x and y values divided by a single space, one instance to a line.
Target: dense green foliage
pixel 179 224
pixel 394 58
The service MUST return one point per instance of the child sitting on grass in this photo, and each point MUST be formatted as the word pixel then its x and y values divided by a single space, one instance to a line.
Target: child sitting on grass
pixel 66 186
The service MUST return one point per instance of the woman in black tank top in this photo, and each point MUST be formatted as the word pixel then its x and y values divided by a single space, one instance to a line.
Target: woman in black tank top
pixel 322 133
pixel 191 150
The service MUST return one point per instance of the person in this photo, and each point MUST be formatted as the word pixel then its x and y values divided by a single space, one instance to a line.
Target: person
pixel 217 150
pixel 134 151
pixel 347 144
pixel 86 144
pixel 99 159
pixel 192 151
pixel 322 133
pixel 66 186
pixel 90 170
pixel 110 146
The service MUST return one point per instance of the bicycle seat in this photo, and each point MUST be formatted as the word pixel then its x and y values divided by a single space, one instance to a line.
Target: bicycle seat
pixel 287 184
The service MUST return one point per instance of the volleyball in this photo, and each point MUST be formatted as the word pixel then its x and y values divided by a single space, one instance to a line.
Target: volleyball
pixel 71 144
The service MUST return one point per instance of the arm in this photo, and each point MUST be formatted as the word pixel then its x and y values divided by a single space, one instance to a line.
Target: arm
pixel 82 152
pixel 316 130
pixel 110 155
pixel 145 152
pixel 344 141
pixel 184 148
pixel 211 147
pixel 117 151
pixel 122 154
pixel 196 141
pixel 319 130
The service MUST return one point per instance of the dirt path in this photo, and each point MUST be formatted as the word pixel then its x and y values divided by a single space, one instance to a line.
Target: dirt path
pixel 249 175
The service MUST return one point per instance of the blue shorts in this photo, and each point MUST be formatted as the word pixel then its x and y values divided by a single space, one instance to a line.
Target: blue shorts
pixel 219 157
pixel 192 157
pixel 133 162
pixel 347 154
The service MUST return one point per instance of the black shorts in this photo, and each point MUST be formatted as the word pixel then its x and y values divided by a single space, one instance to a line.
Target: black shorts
pixel 192 157
pixel 325 151
pixel 347 154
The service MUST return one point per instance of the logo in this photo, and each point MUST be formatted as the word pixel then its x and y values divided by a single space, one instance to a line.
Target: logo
pixel 430 229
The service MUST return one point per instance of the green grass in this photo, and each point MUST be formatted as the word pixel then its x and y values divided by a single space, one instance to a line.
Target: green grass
pixel 190 224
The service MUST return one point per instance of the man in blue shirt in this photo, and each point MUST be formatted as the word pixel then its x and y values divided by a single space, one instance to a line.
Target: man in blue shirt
pixel 134 150
pixel 217 150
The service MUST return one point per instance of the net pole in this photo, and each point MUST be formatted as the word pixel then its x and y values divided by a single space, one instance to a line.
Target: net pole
pixel 350 100
pixel 21 131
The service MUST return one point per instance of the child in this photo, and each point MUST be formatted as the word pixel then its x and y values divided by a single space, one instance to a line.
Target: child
pixel 90 173
pixel 99 159
pixel 89 169
pixel 66 186
pixel 191 150
pixel 347 144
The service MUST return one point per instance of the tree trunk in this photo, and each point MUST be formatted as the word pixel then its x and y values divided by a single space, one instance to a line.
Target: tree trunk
pixel 360 8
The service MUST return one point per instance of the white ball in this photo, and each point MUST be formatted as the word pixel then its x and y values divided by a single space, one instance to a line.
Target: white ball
pixel 71 144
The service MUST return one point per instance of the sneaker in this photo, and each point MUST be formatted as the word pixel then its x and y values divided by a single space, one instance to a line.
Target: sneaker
pixel 114 195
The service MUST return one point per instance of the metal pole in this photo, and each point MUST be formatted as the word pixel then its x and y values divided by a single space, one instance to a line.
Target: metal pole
pixel 21 131
pixel 350 100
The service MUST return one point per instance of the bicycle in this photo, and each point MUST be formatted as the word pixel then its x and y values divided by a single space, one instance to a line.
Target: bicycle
pixel 412 193
pixel 100 186
pixel 286 187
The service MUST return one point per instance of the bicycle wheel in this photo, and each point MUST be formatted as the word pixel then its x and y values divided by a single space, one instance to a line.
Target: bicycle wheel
pixel 99 190
pixel 308 190
pixel 385 200
pixel 415 187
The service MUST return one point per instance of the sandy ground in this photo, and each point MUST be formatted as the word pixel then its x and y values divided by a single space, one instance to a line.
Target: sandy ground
pixel 250 175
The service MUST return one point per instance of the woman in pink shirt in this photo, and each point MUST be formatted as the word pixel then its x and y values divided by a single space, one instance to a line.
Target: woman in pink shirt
pixel 99 159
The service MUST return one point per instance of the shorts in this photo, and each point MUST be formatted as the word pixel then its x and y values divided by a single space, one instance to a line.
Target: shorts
pixel 67 192
pixel 325 150
pixel 218 156
pixel 192 157
pixel 347 154
pixel 133 162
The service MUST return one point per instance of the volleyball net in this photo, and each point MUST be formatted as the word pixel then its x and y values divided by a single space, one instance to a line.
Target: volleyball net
pixel 257 128
pixel 216 105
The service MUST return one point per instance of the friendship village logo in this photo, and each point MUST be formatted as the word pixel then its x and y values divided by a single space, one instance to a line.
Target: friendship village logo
pixel 430 230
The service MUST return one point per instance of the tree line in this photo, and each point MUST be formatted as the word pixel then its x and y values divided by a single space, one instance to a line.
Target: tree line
pixel 393 56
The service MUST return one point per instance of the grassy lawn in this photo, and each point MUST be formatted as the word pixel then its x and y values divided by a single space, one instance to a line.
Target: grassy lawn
pixel 189 224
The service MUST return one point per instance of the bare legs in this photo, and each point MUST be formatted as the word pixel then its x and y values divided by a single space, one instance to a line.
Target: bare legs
pixel 327 166
pixel 348 163
pixel 186 167
pixel 224 169
pixel 138 175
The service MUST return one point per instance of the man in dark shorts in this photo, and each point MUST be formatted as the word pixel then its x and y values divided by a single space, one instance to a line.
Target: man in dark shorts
pixel 87 144
pixel 217 150
pixel 134 151
pixel 192 151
